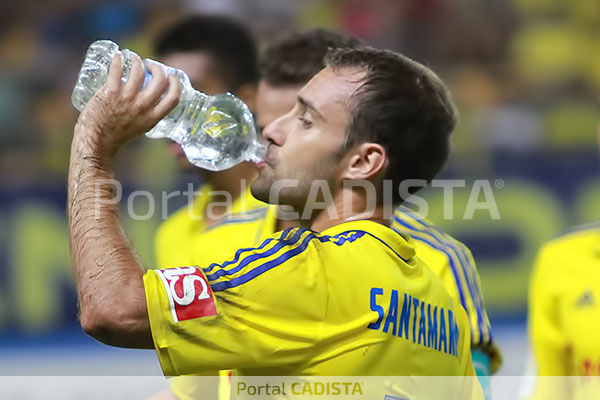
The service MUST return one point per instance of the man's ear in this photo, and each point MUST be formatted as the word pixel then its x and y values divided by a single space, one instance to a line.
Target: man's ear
pixel 366 161
pixel 247 93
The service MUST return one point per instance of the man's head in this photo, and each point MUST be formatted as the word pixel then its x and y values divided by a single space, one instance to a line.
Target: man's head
pixel 289 63
pixel 217 53
pixel 369 115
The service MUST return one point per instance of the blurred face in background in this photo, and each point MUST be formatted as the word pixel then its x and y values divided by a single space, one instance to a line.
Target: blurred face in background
pixel 274 101
pixel 201 68
pixel 305 143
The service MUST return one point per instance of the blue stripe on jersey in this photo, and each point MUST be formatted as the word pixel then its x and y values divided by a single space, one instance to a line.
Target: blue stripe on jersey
pixel 440 248
pixel 453 267
pixel 356 235
pixel 444 240
pixel 217 287
pixel 460 251
pixel 339 240
pixel 240 251
pixel 273 250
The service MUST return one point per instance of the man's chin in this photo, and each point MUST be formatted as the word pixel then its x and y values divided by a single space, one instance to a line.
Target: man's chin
pixel 260 191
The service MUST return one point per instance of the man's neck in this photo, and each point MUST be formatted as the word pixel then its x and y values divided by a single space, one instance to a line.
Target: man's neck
pixel 348 206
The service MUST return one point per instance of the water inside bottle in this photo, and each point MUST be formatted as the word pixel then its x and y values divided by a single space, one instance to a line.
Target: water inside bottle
pixel 215 132
pixel 225 137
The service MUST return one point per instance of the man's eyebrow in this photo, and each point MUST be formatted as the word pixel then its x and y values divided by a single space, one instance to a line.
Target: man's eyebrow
pixel 309 106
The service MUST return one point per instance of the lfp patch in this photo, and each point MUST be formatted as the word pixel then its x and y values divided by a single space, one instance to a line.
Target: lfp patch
pixel 190 295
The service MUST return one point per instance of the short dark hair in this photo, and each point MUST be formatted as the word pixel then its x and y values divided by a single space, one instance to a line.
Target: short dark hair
pixel 402 105
pixel 227 40
pixel 297 57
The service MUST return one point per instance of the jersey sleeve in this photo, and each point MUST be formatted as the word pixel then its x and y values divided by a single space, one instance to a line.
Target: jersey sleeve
pixel 259 309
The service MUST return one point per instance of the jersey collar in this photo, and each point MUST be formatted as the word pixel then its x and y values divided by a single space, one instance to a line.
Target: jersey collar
pixel 393 239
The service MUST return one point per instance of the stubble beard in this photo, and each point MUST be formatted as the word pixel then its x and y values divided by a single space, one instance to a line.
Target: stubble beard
pixel 294 196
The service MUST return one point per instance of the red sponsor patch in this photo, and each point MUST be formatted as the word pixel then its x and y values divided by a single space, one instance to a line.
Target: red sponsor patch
pixel 190 295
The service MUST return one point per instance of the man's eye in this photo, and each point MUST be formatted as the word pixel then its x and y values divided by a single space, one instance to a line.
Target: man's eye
pixel 305 123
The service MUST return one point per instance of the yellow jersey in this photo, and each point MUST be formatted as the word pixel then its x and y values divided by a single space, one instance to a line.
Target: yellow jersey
pixel 453 262
pixel 564 315
pixel 178 238
pixel 353 300
pixel 184 239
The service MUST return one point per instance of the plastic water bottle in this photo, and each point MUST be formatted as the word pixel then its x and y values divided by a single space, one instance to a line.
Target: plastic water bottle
pixel 215 132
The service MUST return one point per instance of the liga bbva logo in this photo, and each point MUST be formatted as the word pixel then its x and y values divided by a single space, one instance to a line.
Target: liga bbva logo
pixel 190 295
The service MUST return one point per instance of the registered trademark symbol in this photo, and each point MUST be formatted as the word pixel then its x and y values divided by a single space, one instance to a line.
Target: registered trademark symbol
pixel 499 183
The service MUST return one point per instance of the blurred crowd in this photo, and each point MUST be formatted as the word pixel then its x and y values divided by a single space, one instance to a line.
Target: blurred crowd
pixel 525 73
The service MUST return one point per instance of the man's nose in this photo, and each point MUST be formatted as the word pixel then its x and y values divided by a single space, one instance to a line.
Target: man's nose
pixel 274 131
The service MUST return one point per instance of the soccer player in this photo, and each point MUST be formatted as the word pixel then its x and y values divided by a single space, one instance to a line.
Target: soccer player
pixel 219 55
pixel 346 297
pixel 307 50
pixel 288 64
pixel 564 316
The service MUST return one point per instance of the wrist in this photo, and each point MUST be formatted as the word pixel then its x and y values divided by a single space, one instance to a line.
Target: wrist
pixel 89 144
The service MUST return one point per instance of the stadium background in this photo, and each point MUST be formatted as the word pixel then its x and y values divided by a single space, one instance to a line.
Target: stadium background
pixel 525 75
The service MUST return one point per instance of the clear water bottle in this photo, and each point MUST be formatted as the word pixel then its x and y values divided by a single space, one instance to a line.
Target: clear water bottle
pixel 215 132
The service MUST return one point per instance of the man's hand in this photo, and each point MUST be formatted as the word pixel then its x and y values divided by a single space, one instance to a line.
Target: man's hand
pixel 119 112
pixel 107 271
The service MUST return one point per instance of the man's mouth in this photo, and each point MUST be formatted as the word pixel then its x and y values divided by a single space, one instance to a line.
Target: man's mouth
pixel 260 164
pixel 267 160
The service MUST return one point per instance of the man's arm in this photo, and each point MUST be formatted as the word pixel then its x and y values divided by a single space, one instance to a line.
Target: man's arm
pixel 107 271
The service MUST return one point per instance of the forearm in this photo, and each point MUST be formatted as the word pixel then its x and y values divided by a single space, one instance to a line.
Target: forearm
pixel 107 271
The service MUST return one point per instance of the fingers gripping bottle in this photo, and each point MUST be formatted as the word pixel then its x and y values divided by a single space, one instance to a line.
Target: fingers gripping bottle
pixel 215 132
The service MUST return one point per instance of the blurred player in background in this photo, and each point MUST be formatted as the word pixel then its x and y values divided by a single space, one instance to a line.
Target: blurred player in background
pixel 452 261
pixel 219 55
pixel 286 66
pixel 564 315
pixel 303 302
